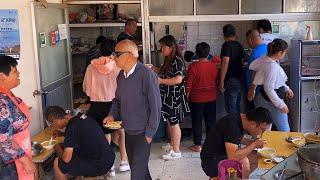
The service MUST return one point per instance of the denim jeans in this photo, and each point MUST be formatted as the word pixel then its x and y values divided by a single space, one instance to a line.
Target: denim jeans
pixel 232 95
pixel 279 118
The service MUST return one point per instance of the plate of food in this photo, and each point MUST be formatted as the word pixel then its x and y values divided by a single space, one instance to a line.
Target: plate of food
pixel 113 125
pixel 312 138
pixel 293 138
pixel 299 142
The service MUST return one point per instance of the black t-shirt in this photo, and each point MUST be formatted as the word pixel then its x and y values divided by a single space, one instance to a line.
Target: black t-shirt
pixel 235 51
pixel 88 140
pixel 228 129
pixel 123 36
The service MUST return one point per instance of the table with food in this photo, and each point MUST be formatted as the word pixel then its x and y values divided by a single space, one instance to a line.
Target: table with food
pixel 42 145
pixel 287 154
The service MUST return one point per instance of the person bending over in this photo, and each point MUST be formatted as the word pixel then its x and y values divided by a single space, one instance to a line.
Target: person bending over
pixel 224 139
pixel 85 151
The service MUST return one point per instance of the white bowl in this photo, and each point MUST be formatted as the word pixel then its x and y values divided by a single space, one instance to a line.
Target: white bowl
pixel 48 146
pixel 267 152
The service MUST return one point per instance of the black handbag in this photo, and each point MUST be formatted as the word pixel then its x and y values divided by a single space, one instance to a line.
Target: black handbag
pixel 280 92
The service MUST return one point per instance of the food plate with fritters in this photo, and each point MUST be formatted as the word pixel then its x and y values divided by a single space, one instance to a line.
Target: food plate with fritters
pixel 113 125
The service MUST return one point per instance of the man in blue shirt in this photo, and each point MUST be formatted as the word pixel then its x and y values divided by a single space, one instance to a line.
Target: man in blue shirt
pixel 259 49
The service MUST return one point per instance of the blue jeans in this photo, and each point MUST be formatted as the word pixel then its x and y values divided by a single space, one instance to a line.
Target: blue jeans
pixel 279 118
pixel 232 95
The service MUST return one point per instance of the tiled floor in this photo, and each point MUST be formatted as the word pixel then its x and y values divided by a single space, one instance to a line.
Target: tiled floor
pixel 187 168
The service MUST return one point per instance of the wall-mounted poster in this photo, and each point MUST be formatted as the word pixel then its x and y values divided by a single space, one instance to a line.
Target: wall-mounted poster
pixel 9 33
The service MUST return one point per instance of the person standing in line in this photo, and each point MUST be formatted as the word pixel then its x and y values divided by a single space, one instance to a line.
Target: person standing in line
pixel 137 104
pixel 100 85
pixel 259 49
pixel 265 29
pixel 232 54
pixel 15 146
pixel 272 77
pixel 94 52
pixel 202 91
pixel 173 94
pixel 129 32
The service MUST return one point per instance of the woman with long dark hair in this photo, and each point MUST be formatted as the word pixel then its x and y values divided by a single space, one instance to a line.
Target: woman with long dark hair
pixel 272 78
pixel 173 94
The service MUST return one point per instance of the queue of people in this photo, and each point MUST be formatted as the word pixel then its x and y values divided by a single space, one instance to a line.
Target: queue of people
pixel 120 88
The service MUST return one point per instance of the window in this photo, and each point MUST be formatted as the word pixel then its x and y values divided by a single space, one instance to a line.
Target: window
pixel 302 6
pixel 261 6
pixel 211 7
pixel 171 7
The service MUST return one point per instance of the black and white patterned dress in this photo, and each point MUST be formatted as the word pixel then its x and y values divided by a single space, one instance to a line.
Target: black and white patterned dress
pixel 174 99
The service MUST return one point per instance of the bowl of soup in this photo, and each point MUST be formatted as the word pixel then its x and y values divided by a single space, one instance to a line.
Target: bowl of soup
pixel 49 145
pixel 267 152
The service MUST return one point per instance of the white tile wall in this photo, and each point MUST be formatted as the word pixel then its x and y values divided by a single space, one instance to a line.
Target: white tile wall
pixel 211 33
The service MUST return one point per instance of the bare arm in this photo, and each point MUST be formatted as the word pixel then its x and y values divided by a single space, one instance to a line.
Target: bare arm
pixel 224 68
pixel 64 154
pixel 171 81
pixel 236 153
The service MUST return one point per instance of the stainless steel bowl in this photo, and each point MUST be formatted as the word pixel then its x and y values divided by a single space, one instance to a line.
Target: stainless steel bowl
pixel 36 148
pixel 309 160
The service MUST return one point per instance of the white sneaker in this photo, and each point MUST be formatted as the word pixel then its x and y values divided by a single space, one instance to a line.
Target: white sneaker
pixel 167 147
pixel 124 166
pixel 172 156
pixel 112 172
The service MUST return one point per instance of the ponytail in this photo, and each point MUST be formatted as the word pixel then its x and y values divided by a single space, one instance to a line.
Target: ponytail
pixel 276 46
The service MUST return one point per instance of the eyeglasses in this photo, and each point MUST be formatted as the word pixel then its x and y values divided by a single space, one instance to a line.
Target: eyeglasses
pixel 118 54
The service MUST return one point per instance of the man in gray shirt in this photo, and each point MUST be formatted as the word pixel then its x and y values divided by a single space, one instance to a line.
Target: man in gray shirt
pixel 137 104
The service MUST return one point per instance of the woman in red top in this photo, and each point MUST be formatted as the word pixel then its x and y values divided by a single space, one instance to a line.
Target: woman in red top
pixel 202 93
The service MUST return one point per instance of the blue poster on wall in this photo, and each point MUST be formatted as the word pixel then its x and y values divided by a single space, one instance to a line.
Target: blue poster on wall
pixel 9 33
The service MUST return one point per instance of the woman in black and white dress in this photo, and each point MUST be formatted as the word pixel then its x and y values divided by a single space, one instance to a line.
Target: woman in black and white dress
pixel 173 94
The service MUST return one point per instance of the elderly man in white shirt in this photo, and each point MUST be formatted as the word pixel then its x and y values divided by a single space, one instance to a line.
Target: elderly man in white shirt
pixel 272 77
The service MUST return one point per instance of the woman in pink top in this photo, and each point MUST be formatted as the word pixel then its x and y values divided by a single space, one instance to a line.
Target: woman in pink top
pixel 100 85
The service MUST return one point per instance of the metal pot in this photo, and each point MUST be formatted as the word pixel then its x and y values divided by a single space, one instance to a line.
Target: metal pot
pixel 309 161
pixel 36 148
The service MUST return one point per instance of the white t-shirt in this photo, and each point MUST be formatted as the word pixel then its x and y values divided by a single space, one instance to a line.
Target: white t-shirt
pixel 271 75
pixel 267 37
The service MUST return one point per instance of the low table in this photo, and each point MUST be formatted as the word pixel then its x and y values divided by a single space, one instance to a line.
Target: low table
pixel 45 154
pixel 277 140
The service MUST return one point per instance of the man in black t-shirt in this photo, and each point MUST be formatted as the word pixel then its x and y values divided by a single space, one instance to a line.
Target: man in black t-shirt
pixel 232 54
pixel 225 137
pixel 85 151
